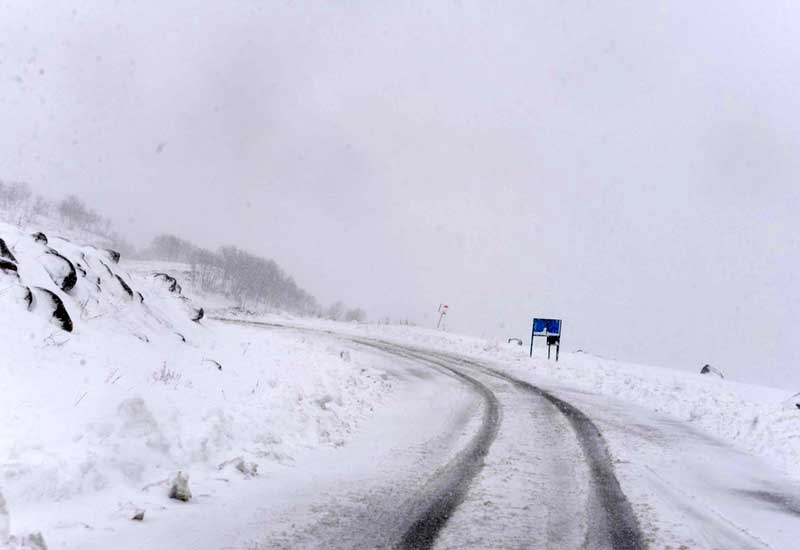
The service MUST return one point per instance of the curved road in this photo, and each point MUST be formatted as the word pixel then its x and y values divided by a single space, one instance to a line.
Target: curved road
pixel 514 467
pixel 613 522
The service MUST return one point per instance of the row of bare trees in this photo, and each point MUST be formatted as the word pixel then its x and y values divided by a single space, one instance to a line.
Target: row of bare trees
pixel 20 205
pixel 337 311
pixel 23 207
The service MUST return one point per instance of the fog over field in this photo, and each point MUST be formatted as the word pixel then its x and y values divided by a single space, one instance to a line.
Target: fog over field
pixel 630 167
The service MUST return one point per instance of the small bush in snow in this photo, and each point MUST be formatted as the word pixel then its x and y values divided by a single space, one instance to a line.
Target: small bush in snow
pixel 249 469
pixel 166 375
pixel 34 541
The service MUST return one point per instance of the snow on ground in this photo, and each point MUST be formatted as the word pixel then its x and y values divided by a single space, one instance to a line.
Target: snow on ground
pixel 95 420
pixel 760 420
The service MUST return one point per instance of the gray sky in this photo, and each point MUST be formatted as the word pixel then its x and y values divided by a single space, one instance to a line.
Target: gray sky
pixel 631 167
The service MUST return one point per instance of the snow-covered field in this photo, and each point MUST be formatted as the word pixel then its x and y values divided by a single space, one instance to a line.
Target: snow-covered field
pixel 96 421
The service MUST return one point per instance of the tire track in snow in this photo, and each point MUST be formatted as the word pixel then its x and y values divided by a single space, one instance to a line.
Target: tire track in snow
pixel 451 481
pixel 613 523
pixel 427 512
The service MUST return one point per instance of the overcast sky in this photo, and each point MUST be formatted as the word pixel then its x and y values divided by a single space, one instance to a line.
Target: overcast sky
pixel 631 167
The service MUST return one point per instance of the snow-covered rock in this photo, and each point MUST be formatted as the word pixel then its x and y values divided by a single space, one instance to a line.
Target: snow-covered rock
pixel 48 305
pixel 179 487
pixel 5 253
pixel 61 270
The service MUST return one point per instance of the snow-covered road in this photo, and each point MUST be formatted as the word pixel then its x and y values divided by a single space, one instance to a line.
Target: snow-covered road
pixel 479 459
pixel 690 488
pixel 496 463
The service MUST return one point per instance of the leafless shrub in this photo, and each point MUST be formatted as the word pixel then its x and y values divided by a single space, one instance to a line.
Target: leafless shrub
pixel 166 376
pixel 113 376
pixel 355 315
pixel 335 311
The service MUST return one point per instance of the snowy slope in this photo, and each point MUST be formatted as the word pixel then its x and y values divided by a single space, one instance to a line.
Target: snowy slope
pixel 97 416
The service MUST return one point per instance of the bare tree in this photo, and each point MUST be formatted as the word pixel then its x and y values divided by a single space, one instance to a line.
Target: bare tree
pixel 172 249
pixel 13 195
pixel 119 243
pixel 74 212
pixel 335 311
pixel 41 207
pixel 357 314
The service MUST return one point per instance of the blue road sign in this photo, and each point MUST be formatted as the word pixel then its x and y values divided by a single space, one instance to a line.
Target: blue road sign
pixel 542 327
pixel 549 329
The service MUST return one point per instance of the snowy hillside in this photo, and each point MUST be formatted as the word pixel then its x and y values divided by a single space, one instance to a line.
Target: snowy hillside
pixel 72 284
pixel 113 382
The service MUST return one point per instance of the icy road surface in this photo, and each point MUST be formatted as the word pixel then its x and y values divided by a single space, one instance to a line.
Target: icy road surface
pixel 470 457
pixel 550 479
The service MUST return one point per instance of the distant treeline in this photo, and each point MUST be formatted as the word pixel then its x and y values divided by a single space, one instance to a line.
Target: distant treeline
pixel 251 281
pixel 23 207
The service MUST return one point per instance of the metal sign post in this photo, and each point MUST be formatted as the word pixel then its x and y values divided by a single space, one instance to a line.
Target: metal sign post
pixel 442 312
pixel 550 329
